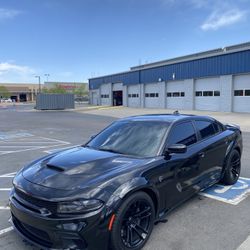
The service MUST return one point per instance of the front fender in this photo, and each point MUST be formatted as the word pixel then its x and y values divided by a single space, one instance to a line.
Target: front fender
pixel 129 187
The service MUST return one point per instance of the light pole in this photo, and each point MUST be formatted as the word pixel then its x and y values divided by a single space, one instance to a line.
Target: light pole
pixel 39 82
pixel 47 76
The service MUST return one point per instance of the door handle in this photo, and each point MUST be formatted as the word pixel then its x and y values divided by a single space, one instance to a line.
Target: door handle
pixel 201 154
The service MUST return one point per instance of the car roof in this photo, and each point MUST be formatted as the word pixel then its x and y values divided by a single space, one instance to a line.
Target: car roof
pixel 169 118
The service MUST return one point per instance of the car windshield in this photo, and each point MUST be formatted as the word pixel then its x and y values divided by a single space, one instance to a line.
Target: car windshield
pixel 137 138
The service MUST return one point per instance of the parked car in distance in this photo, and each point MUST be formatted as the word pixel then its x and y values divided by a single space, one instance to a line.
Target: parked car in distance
pixel 7 100
pixel 110 192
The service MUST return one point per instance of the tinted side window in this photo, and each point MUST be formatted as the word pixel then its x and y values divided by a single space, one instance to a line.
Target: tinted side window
pixel 206 128
pixel 183 133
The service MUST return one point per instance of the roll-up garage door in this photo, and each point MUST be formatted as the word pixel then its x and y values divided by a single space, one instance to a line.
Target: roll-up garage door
pixel 175 95
pixel 207 94
pixel 151 95
pixel 241 93
pixel 134 95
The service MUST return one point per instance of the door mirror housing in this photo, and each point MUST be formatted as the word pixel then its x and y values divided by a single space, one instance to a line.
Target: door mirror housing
pixel 177 149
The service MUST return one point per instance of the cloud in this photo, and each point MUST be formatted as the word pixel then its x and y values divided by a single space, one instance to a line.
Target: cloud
pixel 8 13
pixel 219 19
pixel 11 72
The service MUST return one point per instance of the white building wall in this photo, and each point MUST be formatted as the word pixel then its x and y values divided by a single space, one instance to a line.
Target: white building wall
pixel 226 98
pixel 189 94
pixel 226 102
pixel 125 95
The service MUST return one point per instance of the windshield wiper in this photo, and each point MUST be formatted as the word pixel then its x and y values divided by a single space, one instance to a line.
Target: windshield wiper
pixel 109 150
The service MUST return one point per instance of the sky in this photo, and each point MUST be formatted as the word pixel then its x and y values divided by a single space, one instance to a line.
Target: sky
pixel 73 40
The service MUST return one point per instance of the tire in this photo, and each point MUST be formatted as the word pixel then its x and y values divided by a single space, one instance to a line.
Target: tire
pixel 233 168
pixel 134 217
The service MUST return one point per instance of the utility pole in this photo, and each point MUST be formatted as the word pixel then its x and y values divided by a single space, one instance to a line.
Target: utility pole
pixel 39 82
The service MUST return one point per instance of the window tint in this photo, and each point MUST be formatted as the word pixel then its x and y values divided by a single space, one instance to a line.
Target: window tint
pixel 182 133
pixel 139 138
pixel 217 127
pixel 206 128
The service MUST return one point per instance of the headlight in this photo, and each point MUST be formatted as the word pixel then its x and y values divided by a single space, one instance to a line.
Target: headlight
pixel 79 206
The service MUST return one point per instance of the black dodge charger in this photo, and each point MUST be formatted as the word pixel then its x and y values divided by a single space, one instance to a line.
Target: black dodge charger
pixel 110 192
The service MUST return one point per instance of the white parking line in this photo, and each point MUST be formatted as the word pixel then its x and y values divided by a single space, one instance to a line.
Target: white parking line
pixel 4 208
pixel 5 189
pixel 6 230
pixel 9 175
pixel 58 149
pixel 245 245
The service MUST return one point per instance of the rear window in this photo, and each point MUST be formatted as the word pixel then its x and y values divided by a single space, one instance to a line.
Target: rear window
pixel 182 133
pixel 206 128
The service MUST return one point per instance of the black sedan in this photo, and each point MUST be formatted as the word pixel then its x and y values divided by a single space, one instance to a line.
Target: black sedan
pixel 109 193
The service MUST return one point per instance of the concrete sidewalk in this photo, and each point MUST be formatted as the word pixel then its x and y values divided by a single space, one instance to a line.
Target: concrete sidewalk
pixel 241 119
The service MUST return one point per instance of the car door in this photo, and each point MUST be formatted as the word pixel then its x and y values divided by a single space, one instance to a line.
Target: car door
pixel 184 168
pixel 213 146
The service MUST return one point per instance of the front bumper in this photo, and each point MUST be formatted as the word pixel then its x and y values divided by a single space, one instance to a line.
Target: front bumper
pixel 88 231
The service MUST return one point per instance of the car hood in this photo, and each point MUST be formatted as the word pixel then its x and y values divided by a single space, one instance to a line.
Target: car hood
pixel 80 168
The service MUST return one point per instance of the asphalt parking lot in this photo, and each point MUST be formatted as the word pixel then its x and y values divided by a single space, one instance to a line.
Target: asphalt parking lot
pixel 217 219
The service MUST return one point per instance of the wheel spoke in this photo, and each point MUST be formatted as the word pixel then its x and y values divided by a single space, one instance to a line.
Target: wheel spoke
pixel 139 214
pixel 141 235
pixel 141 228
pixel 235 171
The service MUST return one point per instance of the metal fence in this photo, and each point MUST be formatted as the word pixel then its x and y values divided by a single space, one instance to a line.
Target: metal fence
pixel 55 101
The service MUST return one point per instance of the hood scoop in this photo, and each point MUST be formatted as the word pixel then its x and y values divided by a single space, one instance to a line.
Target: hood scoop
pixel 56 168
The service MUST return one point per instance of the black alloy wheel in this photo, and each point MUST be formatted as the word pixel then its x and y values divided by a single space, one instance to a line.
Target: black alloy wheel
pixel 134 222
pixel 233 168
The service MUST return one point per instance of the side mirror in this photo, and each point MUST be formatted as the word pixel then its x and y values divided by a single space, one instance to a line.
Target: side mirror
pixel 177 149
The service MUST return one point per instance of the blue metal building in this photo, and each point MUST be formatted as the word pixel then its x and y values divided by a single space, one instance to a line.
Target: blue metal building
pixel 216 80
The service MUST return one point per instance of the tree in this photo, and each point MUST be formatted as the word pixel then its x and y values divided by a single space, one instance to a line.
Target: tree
pixel 81 91
pixel 55 90
pixel 4 92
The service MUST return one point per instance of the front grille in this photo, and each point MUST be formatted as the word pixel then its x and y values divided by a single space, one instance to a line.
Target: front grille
pixel 51 206
pixel 32 233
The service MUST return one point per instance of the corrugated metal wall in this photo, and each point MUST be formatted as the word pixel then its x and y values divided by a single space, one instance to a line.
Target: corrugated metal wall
pixel 229 64
pixel 55 101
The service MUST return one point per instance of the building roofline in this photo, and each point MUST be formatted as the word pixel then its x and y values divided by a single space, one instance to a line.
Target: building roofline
pixel 196 56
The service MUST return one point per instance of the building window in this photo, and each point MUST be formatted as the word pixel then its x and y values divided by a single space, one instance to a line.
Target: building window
pixel 182 94
pixel 238 93
pixel 216 93
pixel 129 95
pixel 198 93
pixel 104 96
pixel 169 94
pixel 176 94
pixel 247 92
pixel 151 95
pixel 207 93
